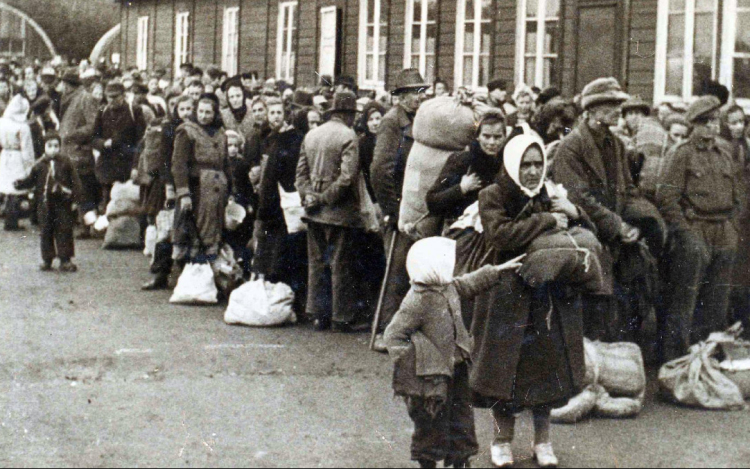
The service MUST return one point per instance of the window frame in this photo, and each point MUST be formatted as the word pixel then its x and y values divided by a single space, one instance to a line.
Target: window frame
pixel 377 24
pixel 730 13
pixel 141 52
pixel 539 54
pixel 477 52
pixel 287 20
pixel 424 23
pixel 182 40
pixel 662 39
pixel 230 40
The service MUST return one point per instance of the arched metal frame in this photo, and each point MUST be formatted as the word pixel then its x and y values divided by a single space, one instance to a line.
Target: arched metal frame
pixel 47 41
pixel 103 43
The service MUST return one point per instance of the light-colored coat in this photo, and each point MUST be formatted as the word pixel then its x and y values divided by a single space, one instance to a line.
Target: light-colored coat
pixel 17 157
pixel 329 168
pixel 79 111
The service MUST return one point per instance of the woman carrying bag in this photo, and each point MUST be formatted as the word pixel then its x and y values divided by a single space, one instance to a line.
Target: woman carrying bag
pixel 202 181
pixel 528 352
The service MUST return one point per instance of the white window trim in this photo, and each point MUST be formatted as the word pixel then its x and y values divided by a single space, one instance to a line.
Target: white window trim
pixel 540 55
pixel 182 40
pixel 424 23
pixel 287 12
pixel 324 11
pixel 728 53
pixel 662 32
pixel 142 48
pixel 362 68
pixel 477 51
pixel 230 41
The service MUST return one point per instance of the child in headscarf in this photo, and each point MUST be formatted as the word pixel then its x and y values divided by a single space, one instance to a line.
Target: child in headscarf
pixel 431 349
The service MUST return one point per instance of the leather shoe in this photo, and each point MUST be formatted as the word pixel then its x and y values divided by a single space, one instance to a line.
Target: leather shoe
pixel 157 283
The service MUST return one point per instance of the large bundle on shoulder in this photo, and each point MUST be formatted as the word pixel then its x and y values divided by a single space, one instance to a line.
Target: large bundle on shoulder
pixel 442 126
pixel 616 384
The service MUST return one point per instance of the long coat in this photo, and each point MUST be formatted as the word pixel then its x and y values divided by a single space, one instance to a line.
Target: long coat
pixel 245 128
pixel 125 126
pixel 392 149
pixel 60 184
pixel 17 156
pixel 579 167
pixel 501 317
pixel 78 118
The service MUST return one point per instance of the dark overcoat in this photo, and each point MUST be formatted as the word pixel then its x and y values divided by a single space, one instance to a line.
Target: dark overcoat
pixel 394 143
pixel 125 126
pixel 511 222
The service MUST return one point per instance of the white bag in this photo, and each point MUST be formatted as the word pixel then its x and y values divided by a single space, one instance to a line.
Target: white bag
pixel 164 224
pixel 102 223
pixel 150 248
pixel 261 304
pixel 234 216
pixel 125 200
pixel 196 286
pixel 291 204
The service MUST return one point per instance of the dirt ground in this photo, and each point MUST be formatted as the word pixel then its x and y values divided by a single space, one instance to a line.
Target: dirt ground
pixel 96 373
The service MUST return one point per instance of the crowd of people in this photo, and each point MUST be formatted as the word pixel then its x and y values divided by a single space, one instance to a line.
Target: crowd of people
pixel 320 174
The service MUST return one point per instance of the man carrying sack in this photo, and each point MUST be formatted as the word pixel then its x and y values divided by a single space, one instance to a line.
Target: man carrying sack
pixel 395 140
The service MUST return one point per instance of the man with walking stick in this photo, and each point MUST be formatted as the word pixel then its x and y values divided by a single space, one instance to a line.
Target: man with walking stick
pixel 394 144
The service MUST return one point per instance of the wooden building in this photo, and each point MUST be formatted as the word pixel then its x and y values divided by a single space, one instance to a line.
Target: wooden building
pixel 659 49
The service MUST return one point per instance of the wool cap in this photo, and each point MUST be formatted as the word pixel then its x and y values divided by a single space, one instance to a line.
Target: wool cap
pixel 636 103
pixel 602 90
pixel 71 77
pixel 52 136
pixel 114 88
pixel 497 84
pixel 701 107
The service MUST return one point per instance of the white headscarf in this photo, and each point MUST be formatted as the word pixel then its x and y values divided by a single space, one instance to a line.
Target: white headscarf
pixel 18 109
pixel 431 261
pixel 513 156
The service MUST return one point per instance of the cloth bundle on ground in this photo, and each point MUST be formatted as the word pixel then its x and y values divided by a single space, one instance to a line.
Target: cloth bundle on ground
pixel 444 123
pixel 569 256
pixel 697 380
pixel 736 365
pixel 123 232
pixel 261 304
pixel 228 274
pixel 615 384
pixel 196 286
pixel 124 200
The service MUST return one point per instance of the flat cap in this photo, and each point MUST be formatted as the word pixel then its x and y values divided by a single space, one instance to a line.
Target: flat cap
pixel 602 90
pixel 701 107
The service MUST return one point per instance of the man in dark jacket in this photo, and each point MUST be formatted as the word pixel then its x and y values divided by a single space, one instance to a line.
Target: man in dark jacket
pixel 118 130
pixel 592 164
pixel 394 144
pixel 327 179
pixel 78 110
pixel 700 195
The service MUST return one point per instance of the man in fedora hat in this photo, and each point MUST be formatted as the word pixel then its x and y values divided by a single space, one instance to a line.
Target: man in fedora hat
pixel 700 196
pixel 592 164
pixel 392 149
pixel 78 111
pixel 648 140
pixel 327 180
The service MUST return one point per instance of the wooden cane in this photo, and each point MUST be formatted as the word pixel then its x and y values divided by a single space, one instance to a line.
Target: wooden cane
pixel 381 298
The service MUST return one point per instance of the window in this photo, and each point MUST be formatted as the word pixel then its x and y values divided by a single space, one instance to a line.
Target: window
pixel 421 37
pixel 473 42
pixel 686 54
pixel 142 51
pixel 286 55
pixel 373 41
pixel 538 42
pixel 181 41
pixel 735 63
pixel 230 43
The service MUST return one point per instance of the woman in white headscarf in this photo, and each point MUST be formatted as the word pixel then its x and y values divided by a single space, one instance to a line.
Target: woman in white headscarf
pixel 529 341
pixel 431 350
pixel 17 157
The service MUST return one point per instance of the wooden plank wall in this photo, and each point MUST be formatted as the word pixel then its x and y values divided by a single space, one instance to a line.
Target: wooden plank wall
pixel 504 61
pixel 642 59
pixel 163 52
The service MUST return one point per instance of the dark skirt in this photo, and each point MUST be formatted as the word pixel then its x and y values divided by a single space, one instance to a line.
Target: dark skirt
pixel 538 381
pixel 153 198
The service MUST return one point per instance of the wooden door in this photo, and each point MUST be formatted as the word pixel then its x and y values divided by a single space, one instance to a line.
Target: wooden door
pixel 601 40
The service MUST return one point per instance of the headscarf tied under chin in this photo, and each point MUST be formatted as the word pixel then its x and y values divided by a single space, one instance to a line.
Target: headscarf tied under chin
pixel 513 157
pixel 431 261
pixel 17 110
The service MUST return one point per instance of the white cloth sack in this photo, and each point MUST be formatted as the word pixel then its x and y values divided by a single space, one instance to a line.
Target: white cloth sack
pixel 291 204
pixel 261 304
pixel 150 241
pixel 196 286
pixel 234 216
pixel 125 200
pixel 164 225
pixel 102 223
pixel 123 233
